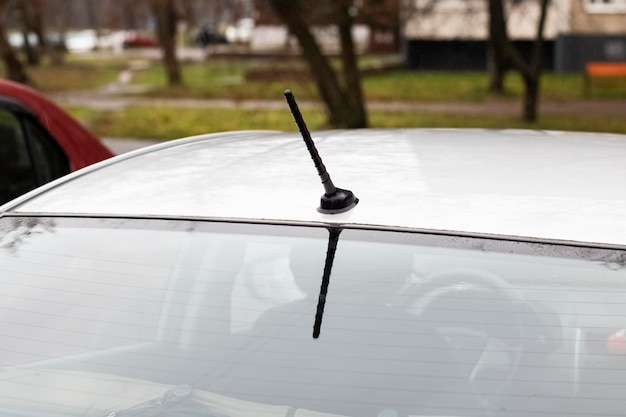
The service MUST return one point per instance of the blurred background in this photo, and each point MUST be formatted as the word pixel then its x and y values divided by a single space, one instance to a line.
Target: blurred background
pixel 162 69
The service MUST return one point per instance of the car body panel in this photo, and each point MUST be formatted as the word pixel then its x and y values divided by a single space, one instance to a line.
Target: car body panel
pixel 531 184
pixel 81 147
pixel 197 277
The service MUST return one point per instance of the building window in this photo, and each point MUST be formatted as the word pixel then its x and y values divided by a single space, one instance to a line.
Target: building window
pixel 605 6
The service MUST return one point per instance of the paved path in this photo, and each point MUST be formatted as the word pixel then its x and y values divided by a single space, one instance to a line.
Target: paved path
pixel 123 145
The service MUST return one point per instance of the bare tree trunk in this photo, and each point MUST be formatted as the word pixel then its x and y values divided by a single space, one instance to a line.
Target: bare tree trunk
pixel 289 11
pixel 93 18
pixel 357 116
pixel 532 80
pixel 59 49
pixel 530 71
pixel 191 16
pixel 31 21
pixel 37 25
pixel 345 109
pixel 15 69
pixel 166 18
pixel 32 57
pixel 497 71
pixel 129 17
pixel 531 97
pixel 497 62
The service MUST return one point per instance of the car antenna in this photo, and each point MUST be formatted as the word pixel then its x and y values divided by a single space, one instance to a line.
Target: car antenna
pixel 335 200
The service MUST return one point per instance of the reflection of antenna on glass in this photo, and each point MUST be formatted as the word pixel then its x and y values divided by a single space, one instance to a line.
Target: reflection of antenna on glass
pixel 333 239
pixel 334 200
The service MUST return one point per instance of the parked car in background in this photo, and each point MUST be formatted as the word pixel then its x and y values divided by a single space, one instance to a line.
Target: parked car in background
pixel 458 273
pixel 39 141
pixel 209 35
pixel 139 39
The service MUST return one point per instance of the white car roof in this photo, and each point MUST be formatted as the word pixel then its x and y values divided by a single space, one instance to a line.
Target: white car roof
pixel 530 184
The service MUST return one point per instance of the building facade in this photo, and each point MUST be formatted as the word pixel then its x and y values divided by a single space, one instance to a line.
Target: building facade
pixel 452 34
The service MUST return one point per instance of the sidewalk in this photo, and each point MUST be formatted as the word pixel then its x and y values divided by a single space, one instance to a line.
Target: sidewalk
pixel 123 145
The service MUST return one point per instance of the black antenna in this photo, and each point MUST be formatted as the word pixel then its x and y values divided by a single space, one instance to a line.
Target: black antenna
pixel 334 200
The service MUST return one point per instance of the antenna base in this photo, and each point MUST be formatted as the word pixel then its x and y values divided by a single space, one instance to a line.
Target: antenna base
pixel 337 202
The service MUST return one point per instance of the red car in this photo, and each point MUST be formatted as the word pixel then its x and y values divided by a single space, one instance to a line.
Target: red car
pixel 137 39
pixel 39 141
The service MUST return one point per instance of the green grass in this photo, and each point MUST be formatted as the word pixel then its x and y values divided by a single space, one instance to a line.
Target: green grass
pixel 169 123
pixel 593 123
pixel 220 79
pixel 72 76
pixel 405 85
pixel 226 79
pixel 84 114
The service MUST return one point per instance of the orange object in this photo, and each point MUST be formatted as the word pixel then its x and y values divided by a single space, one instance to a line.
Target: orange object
pixel 605 68
pixel 598 70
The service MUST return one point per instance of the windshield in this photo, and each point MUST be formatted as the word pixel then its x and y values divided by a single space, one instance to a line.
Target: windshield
pixel 103 316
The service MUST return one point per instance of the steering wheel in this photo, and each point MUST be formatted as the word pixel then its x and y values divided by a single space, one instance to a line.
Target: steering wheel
pixel 484 321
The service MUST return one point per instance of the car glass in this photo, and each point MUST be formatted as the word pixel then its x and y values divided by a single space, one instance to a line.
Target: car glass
pixel 16 171
pixel 120 314
pixel 51 161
